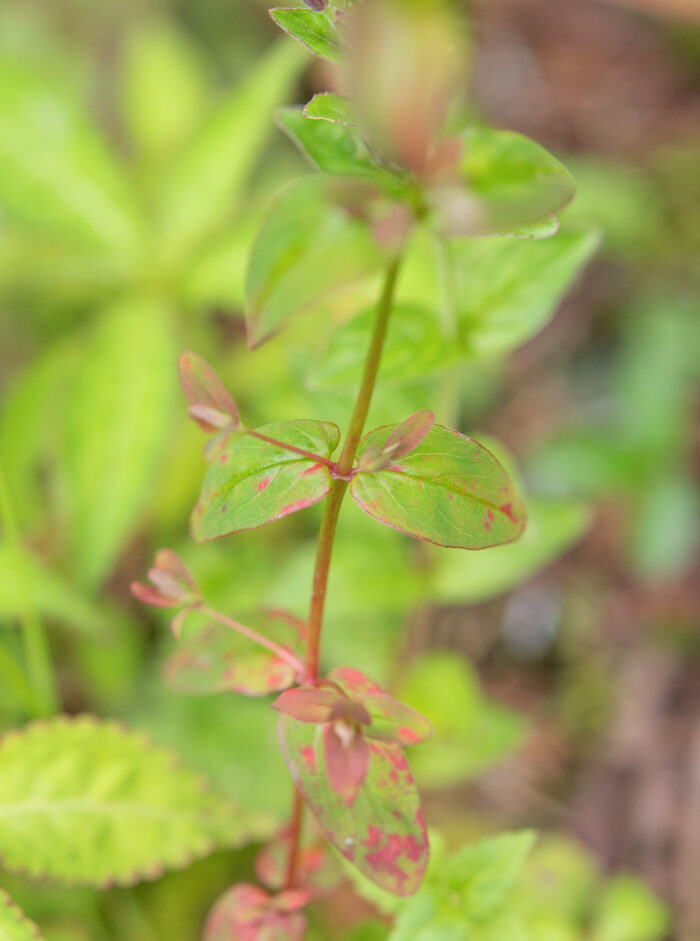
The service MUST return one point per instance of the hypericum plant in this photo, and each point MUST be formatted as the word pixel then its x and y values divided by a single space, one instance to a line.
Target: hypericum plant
pixel 388 166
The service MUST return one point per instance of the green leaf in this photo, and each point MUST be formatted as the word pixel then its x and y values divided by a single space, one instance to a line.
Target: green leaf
pixel 629 911
pixel 162 86
pixel 117 418
pixel 382 831
pixel 553 527
pixel 216 660
pixel 28 581
pixel 310 28
pixel 205 182
pixel 57 176
pixel 509 182
pixel 14 924
pixel 331 107
pixel 253 482
pixel 337 149
pixel 90 803
pixel 450 491
pixel 307 249
pixel 505 290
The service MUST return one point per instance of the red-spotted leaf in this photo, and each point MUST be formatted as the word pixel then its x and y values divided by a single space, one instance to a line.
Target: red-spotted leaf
pixel 392 721
pixel 248 913
pixel 403 439
pixel 308 703
pixel 450 491
pixel 216 659
pixel 382 830
pixel 211 405
pixel 315 870
pixel 311 28
pixel 253 482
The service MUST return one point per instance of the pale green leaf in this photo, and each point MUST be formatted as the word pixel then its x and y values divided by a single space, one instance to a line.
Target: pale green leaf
pixel 163 86
pixel 310 28
pixel 629 911
pixel 117 419
pixel 88 802
pixel 505 290
pixel 331 107
pixel 57 176
pixel 553 527
pixel 307 249
pixel 14 924
pixel 203 185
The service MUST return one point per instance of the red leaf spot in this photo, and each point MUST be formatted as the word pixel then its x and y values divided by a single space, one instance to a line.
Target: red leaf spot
pixel 312 470
pixel 450 496
pixel 408 735
pixel 487 526
pixel 489 515
pixel 293 507
pixel 396 468
pixel 394 776
pixel 309 756
pixel 507 510
pixel 223 458
pixel 263 484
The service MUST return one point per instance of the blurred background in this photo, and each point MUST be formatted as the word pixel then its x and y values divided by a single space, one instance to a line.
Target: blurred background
pixel 138 156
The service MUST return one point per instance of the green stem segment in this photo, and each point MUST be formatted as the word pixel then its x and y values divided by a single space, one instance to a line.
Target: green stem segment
pixel 343 469
pixel 37 652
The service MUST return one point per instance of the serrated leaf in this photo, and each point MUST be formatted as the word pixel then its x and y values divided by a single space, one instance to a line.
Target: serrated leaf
pixel 509 182
pixel 163 86
pixel 382 831
pixel 57 176
pixel 337 149
pixel 14 924
pixel 505 290
pixel 253 483
pixel 307 249
pixel 327 106
pixel 90 803
pixel 216 660
pixel 117 418
pixel 205 182
pixel 553 527
pixel 310 28
pixel 450 491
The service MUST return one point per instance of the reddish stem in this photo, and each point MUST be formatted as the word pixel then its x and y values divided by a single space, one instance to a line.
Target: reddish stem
pixel 316 458
pixel 295 838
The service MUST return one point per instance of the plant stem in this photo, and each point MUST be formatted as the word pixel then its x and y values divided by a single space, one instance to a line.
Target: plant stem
pixel 290 447
pixel 260 639
pixel 295 838
pixel 36 645
pixel 343 468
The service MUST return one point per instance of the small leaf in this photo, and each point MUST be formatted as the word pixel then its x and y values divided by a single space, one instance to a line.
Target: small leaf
pixel 203 388
pixel 338 150
pixel 253 482
pixel 90 803
pixel 393 721
pixel 403 439
pixel 307 249
pixel 509 182
pixel 382 831
pixel 450 491
pixel 217 660
pixel 331 107
pixel 14 924
pixel 248 913
pixel 308 703
pixel 312 29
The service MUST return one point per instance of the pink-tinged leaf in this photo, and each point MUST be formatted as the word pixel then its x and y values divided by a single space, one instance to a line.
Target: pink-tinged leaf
pixel 382 831
pixel 252 482
pixel 392 721
pixel 171 583
pixel 450 491
pixel 308 703
pixel 347 760
pixel 248 913
pixel 216 660
pixel 403 439
pixel 211 406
